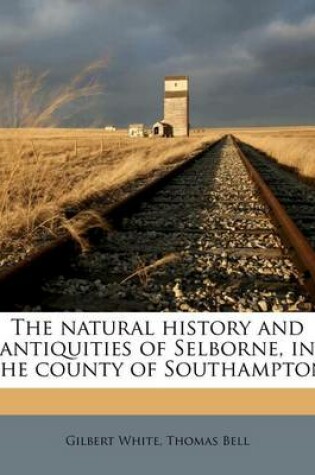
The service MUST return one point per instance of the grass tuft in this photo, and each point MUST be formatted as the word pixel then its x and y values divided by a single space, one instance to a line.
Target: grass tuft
pixel 80 224
pixel 144 271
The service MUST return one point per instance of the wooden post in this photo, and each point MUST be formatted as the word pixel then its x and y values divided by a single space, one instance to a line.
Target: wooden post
pixel 34 151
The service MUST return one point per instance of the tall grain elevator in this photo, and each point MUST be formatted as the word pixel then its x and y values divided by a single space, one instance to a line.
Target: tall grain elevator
pixel 176 104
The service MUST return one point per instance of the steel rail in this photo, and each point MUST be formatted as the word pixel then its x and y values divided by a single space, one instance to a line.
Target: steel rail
pixel 303 252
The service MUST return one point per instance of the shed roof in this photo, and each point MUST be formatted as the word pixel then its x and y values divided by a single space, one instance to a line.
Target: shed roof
pixel 162 122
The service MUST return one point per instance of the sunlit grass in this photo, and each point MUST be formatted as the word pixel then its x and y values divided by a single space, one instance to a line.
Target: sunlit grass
pixel 45 171
pixel 293 147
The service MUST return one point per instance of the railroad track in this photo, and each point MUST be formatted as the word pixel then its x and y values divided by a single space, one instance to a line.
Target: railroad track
pixel 200 239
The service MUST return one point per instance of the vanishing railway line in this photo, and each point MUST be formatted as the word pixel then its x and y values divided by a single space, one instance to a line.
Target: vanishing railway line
pixel 201 239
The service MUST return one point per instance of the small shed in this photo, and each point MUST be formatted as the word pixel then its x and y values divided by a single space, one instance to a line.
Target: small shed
pixel 110 128
pixel 136 130
pixel 162 129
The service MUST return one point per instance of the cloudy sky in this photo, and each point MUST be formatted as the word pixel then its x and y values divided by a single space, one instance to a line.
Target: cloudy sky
pixel 250 62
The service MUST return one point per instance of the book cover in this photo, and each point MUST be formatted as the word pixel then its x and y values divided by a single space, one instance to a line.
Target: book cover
pixel 157 237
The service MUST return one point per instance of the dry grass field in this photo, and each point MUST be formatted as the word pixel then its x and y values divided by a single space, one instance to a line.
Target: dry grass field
pixel 45 170
pixel 290 146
